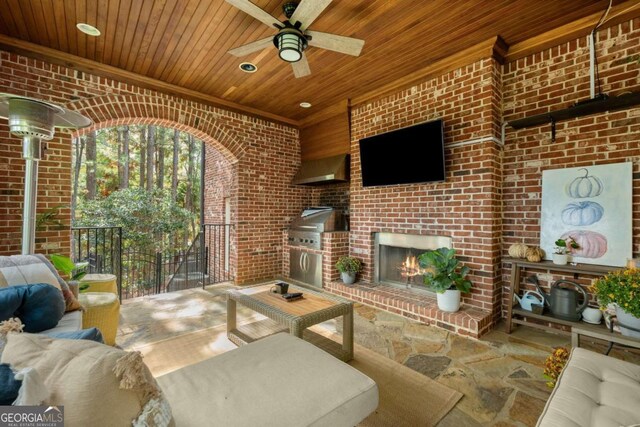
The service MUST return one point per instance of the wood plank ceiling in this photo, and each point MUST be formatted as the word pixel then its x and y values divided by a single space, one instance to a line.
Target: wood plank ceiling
pixel 184 42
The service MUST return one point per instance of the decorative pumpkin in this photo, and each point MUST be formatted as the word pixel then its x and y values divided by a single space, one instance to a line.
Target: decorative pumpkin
pixel 582 213
pixel 585 186
pixel 535 254
pixel 592 244
pixel 518 250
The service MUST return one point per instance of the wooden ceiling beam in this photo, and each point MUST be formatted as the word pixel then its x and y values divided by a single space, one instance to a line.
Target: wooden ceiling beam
pixel 53 56
pixel 582 27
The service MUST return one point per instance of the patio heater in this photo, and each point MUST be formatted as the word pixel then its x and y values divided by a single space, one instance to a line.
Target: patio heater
pixel 34 121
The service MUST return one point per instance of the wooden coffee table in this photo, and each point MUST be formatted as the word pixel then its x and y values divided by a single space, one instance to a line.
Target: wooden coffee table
pixel 295 316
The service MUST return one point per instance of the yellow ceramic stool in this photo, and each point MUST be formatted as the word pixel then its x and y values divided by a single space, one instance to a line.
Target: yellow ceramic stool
pixel 100 283
pixel 102 311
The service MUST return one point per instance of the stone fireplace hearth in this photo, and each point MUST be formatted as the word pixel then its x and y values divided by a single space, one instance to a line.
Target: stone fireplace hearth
pixel 395 258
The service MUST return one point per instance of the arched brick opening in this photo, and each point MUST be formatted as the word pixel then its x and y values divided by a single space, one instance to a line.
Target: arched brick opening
pixel 112 110
pixel 222 150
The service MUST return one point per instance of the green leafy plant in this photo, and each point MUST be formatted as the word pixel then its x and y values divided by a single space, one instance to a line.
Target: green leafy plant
pixel 564 246
pixel 554 364
pixel 347 264
pixel 620 287
pixel 67 267
pixel 444 271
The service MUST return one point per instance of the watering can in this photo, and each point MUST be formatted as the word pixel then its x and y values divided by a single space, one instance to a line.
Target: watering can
pixel 529 298
pixel 563 301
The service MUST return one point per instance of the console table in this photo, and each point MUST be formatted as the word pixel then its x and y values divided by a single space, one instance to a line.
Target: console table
pixel 520 316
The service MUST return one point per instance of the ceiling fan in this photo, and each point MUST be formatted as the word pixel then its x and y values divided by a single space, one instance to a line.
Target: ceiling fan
pixel 293 37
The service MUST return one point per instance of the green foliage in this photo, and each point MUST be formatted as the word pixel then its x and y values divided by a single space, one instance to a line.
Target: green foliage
pixel 347 264
pixel 621 287
pixel 444 271
pixel 146 218
pixel 68 268
pixel 564 246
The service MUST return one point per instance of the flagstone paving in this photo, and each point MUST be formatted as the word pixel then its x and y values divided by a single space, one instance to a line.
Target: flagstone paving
pixel 500 375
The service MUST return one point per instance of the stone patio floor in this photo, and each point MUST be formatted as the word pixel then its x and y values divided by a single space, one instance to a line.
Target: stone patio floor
pixel 500 375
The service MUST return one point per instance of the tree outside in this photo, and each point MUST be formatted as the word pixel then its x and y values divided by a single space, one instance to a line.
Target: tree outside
pixel 145 179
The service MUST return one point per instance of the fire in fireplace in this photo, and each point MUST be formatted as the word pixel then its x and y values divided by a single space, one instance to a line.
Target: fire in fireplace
pixel 396 257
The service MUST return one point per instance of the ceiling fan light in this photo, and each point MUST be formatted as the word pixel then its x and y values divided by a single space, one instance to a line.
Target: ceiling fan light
pixel 290 46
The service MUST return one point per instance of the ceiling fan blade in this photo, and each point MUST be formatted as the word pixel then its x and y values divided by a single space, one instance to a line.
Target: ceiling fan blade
pixel 301 68
pixel 307 11
pixel 252 47
pixel 251 9
pixel 341 44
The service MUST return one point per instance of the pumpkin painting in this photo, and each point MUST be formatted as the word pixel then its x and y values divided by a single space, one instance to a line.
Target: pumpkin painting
pixel 582 213
pixel 585 186
pixel 592 244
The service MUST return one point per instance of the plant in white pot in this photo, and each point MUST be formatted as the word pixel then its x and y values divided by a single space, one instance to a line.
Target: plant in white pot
pixel 563 249
pixel 446 276
pixel 622 288
pixel 348 267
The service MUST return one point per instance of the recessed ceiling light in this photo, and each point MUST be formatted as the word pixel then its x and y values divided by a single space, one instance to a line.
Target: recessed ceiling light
pixel 248 67
pixel 88 29
pixel 305 104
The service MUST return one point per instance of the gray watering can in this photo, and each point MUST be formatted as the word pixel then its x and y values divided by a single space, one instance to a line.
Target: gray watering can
pixel 563 301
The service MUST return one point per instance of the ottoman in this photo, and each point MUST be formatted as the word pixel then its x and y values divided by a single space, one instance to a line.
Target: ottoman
pixel 279 381
pixel 594 391
pixel 102 311
pixel 100 283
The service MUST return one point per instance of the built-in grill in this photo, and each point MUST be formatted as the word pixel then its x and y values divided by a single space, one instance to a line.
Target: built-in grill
pixel 305 230
pixel 305 265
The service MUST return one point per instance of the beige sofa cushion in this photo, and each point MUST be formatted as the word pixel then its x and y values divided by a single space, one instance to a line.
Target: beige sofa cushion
pixel 276 381
pixel 84 376
pixel 594 390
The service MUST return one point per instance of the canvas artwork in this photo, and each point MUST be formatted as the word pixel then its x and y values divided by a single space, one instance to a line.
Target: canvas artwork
pixel 593 205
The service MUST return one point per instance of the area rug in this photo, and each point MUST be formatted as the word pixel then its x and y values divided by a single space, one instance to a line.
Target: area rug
pixel 407 398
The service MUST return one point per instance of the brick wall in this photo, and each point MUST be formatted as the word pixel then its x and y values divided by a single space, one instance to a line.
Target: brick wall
pixel 555 79
pixel 54 190
pixel 265 156
pixel 467 205
pixel 220 188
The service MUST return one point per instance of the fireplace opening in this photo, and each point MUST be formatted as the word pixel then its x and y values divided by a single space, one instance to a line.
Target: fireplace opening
pixel 396 258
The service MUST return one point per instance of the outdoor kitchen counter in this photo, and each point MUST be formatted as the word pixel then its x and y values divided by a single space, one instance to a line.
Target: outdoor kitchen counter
pixel 334 245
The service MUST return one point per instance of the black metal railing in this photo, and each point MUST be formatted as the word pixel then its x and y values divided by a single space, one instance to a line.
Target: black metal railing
pixel 191 271
pixel 101 247
pixel 216 242
pixel 142 272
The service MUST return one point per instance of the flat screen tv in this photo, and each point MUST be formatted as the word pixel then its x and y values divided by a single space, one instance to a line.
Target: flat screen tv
pixel 404 156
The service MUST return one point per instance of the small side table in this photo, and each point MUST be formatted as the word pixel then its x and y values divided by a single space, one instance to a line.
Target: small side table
pixel 100 283
pixel 102 311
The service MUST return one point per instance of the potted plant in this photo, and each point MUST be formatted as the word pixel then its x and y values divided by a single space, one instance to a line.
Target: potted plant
pixel 563 249
pixel 554 364
pixel 348 267
pixel 622 289
pixel 74 271
pixel 446 276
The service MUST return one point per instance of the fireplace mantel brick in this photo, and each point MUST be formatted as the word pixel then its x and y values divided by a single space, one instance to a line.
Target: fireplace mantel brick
pixel 469 321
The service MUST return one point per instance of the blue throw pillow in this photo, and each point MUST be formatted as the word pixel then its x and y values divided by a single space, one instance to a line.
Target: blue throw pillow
pixel 42 306
pixel 9 386
pixel 92 334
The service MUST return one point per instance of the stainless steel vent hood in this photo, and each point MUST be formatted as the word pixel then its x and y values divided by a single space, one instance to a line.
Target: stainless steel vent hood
pixel 323 171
